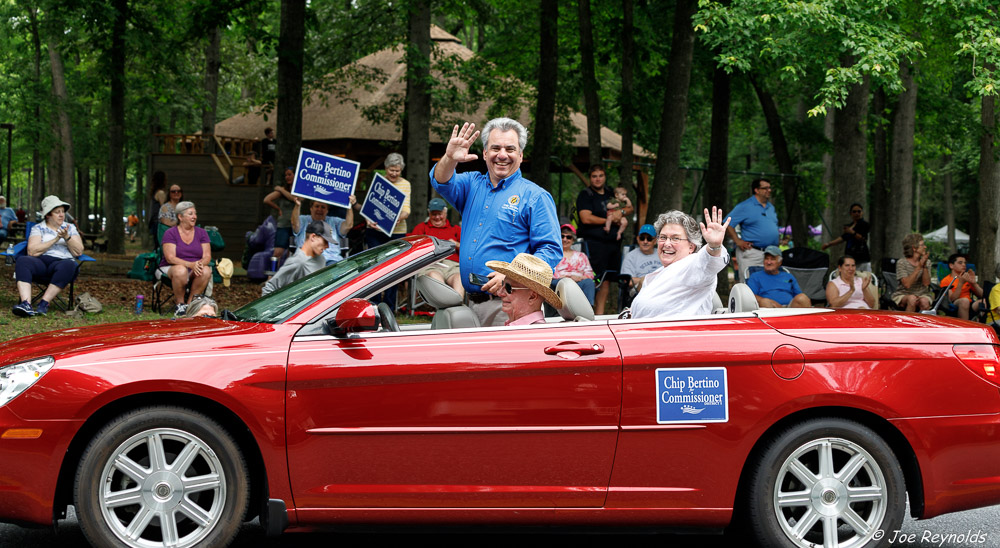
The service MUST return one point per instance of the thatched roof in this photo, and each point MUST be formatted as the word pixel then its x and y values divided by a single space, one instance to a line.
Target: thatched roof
pixel 327 117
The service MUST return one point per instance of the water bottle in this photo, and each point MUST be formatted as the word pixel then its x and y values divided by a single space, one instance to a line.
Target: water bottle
pixel 274 264
pixel 138 304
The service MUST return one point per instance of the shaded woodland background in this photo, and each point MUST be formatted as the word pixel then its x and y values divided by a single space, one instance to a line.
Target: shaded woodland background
pixel 889 103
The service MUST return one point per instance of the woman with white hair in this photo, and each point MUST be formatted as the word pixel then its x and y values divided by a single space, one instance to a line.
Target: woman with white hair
pixel 374 237
pixel 683 286
pixel 187 252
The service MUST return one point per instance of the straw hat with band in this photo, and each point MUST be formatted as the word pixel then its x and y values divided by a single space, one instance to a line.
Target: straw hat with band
pixel 530 272
pixel 51 202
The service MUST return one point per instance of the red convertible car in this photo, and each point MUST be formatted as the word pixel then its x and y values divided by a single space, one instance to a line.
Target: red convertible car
pixel 309 407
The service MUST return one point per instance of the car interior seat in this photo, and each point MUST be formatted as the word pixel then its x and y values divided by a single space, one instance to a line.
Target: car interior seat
pixel 576 307
pixel 450 312
pixel 741 299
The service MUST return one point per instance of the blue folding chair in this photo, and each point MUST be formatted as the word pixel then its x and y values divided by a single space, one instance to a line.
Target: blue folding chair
pixel 41 283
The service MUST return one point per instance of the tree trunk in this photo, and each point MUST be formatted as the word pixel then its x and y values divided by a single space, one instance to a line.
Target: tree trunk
pixel 989 191
pixel 62 167
pixel 668 182
pixel 38 176
pixel 290 61
pixel 850 148
pixel 789 183
pixel 83 196
pixel 545 107
pixel 626 176
pixel 717 177
pixel 901 164
pixel 114 202
pixel 418 108
pixel 591 100
pixel 878 213
pixel 213 61
pixel 949 202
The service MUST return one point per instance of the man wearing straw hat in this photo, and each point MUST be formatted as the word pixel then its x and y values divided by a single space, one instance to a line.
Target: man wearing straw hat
pixel 527 283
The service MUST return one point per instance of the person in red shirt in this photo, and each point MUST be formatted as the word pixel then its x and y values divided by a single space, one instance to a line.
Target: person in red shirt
pixel 437 225
pixel 962 291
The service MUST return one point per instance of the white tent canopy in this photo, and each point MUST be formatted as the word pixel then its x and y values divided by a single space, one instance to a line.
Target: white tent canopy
pixel 941 235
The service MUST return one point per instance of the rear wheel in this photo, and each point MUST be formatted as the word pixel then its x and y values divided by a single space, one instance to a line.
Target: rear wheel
pixel 827 482
pixel 161 476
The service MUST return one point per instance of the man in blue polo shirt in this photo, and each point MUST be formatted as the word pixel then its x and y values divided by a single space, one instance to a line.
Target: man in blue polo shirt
pixel 503 213
pixel 758 223
pixel 775 288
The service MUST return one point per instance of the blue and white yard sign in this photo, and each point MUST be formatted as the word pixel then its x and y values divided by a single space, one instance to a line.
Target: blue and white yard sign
pixel 325 178
pixel 698 394
pixel 383 204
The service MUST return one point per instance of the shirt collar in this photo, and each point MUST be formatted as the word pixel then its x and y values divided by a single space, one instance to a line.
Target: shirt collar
pixel 503 182
pixel 535 317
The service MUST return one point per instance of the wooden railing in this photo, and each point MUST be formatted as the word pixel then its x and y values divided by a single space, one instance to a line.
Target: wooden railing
pixel 189 143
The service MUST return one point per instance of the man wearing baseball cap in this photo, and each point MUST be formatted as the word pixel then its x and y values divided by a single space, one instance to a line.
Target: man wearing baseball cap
pixel 437 225
pixel 775 288
pixel 307 259
pixel 643 259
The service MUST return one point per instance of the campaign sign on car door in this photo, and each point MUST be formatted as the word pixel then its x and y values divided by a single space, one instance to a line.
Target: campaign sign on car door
pixel 383 204
pixel 698 394
pixel 325 178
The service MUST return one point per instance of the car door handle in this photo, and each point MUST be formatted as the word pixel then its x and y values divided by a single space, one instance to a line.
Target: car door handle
pixel 579 348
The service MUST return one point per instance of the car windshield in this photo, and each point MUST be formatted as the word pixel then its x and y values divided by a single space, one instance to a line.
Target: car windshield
pixel 283 303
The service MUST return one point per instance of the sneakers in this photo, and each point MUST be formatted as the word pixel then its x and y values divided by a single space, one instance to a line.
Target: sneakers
pixel 43 308
pixel 23 310
pixel 180 310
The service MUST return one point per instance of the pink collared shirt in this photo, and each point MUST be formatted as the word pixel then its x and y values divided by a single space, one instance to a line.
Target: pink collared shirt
pixel 535 317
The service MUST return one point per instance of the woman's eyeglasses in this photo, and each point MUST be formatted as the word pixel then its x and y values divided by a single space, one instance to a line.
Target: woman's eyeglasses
pixel 672 239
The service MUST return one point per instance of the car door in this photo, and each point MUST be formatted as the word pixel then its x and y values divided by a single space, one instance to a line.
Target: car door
pixel 488 417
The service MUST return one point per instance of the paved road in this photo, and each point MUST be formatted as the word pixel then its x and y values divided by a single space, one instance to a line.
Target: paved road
pixel 984 523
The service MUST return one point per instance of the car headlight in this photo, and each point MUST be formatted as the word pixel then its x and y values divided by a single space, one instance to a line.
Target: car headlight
pixel 18 377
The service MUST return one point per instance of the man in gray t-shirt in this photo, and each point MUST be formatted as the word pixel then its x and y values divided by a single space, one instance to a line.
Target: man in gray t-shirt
pixel 307 259
pixel 643 259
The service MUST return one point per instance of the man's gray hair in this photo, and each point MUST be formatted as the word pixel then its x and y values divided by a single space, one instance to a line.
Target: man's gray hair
pixel 181 207
pixel 690 225
pixel 504 125
pixel 395 159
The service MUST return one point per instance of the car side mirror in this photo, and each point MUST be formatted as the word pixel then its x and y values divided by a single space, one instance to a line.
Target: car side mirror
pixel 355 316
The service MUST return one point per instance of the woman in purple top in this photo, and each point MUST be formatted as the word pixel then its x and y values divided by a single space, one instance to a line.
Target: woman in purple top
pixel 186 256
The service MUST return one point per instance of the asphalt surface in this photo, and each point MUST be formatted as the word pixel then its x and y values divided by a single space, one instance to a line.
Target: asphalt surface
pixel 973 528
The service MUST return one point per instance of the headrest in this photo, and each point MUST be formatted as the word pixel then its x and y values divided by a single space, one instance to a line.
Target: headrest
pixel 575 304
pixel 741 299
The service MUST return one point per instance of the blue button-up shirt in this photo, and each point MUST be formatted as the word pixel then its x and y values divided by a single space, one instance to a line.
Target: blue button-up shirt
pixel 517 216
pixel 758 222
pixel 7 214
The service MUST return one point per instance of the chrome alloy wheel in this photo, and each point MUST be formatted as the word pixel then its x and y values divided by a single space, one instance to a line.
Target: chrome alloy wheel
pixel 830 492
pixel 162 487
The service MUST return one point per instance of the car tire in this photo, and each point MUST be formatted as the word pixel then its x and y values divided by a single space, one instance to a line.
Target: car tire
pixel 160 476
pixel 826 482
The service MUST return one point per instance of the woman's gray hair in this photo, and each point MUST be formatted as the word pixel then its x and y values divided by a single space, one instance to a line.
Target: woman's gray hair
pixel 198 303
pixel 504 125
pixel 674 217
pixel 395 159
pixel 181 207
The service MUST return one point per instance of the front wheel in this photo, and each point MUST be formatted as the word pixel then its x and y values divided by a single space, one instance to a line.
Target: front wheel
pixel 161 476
pixel 827 482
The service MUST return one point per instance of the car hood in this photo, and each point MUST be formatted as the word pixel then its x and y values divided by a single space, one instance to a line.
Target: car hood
pixel 161 336
pixel 878 327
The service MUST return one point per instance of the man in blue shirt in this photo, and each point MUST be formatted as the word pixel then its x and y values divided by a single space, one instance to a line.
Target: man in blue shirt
pixel 775 288
pixel 503 213
pixel 758 223
pixel 7 218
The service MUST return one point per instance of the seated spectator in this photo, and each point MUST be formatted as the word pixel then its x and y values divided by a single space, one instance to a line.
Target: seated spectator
pixel 7 218
pixel 775 288
pixel 187 253
pixel 437 225
pixel 319 211
pixel 526 286
pixel 914 276
pixel 168 211
pixel 643 259
pixel 849 290
pixel 964 288
pixel 993 308
pixel 52 247
pixel 685 282
pixel 574 265
pixel 202 306
pixel 308 258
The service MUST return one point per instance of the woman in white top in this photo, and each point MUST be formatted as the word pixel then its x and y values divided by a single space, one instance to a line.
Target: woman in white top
pixel 52 247
pixel 683 286
pixel 848 290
